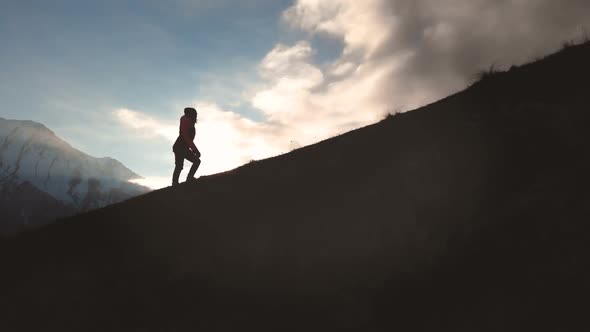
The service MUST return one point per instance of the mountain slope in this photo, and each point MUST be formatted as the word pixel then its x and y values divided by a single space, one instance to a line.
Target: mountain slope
pixel 29 152
pixel 24 206
pixel 469 214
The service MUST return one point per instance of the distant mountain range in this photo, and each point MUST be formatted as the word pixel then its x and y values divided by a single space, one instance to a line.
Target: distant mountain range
pixel 42 177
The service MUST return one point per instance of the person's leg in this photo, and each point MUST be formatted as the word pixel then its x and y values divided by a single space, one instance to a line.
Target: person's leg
pixel 196 163
pixel 179 165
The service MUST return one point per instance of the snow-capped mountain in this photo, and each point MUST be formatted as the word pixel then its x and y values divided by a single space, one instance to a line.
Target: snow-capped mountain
pixel 31 153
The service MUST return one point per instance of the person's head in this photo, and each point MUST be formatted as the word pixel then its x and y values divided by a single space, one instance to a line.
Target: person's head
pixel 191 113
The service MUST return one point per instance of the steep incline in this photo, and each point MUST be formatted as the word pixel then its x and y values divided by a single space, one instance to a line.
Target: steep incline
pixel 470 214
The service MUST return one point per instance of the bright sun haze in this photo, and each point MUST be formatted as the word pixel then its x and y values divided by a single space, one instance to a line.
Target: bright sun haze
pixel 266 76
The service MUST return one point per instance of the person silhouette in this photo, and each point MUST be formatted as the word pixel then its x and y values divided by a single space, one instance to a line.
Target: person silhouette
pixel 185 148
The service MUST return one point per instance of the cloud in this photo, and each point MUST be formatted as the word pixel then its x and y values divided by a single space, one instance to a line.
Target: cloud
pixel 229 140
pixel 361 24
pixel 145 126
pixel 430 48
pixel 299 100
pixel 397 54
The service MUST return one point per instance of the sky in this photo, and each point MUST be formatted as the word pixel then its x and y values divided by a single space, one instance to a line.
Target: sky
pixel 112 77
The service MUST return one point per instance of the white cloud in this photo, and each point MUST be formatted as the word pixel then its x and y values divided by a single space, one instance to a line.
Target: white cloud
pixel 144 125
pixel 397 54
pixel 363 25
pixel 301 103
pixel 290 62
pixel 432 48
pixel 228 140
pixel 342 68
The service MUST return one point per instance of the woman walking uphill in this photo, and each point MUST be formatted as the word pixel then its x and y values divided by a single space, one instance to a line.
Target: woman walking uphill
pixel 184 147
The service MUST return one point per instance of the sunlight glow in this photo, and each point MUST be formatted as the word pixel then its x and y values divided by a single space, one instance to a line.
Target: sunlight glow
pixel 154 183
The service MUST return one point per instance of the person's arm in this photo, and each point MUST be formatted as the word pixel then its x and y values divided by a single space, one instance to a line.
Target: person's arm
pixel 185 126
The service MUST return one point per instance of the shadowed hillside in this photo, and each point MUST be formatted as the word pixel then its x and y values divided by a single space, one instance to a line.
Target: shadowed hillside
pixel 24 205
pixel 470 214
